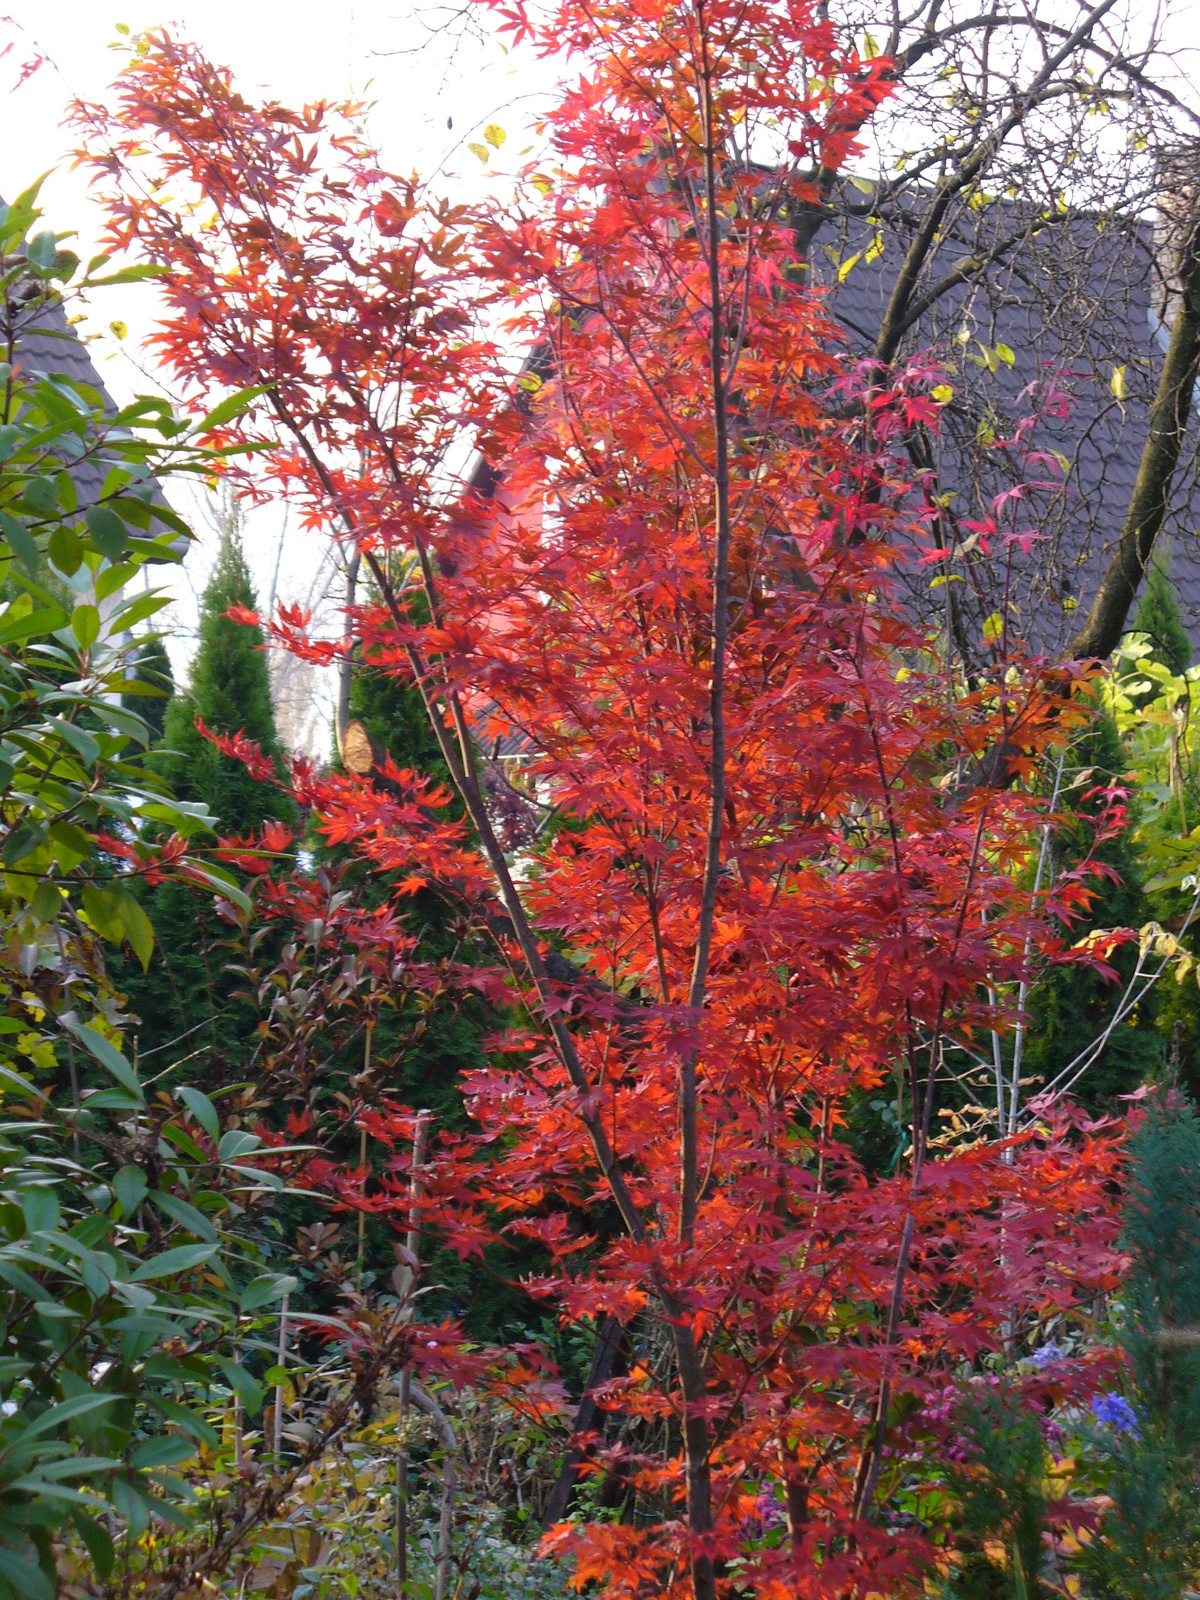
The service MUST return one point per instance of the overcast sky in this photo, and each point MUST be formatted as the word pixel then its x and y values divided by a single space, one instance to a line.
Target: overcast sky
pixel 415 79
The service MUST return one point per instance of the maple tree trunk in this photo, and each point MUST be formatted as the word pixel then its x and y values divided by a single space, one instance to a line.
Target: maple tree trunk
pixel 688 1359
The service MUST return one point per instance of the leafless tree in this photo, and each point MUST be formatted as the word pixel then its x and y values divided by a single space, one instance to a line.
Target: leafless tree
pixel 1024 212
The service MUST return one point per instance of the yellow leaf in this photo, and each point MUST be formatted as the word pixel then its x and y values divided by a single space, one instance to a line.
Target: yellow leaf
pixel 1117 383
pixel 943 394
pixel 845 267
pixel 993 627
pixel 118 330
pixel 495 135
pixel 480 150
pixel 874 249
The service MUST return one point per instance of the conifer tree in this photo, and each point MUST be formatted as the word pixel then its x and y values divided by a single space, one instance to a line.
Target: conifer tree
pixel 1158 617
pixel 393 714
pixel 1150 1440
pixel 451 1042
pixel 230 692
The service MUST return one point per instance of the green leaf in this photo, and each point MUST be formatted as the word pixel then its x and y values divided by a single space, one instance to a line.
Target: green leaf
pixel 166 1451
pixel 182 1140
pixel 65 550
pixel 42 495
pixel 27 1580
pixel 182 1258
pixel 113 1100
pixel 107 1055
pixel 203 1110
pixel 237 1143
pixel 145 605
pixel 109 533
pixel 17 1278
pixel 22 842
pixel 70 845
pixel 85 625
pixel 130 1188
pixel 103 908
pixel 79 739
pixel 190 1421
pixel 66 1411
pixel 139 930
pixel 134 1506
pixel 41 1209
pixel 242 1385
pixel 137 274
pixel 97 1541
pixel 25 624
pixel 110 580
pixel 19 540
pixel 263 1290
pixel 231 406
pixel 180 1211
pixel 46 903
pixel 220 880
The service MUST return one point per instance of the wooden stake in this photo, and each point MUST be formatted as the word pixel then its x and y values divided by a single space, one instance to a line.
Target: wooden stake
pixel 413 1243
pixel 362 1156
pixel 283 1314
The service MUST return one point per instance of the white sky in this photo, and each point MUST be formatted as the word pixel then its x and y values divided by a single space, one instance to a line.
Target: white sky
pixel 413 78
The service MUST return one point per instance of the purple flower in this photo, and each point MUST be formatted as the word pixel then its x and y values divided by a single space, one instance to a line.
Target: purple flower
pixel 1114 1411
pixel 769 1512
pixel 1047 1353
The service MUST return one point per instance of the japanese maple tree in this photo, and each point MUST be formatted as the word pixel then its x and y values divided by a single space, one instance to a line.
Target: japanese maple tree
pixel 735 884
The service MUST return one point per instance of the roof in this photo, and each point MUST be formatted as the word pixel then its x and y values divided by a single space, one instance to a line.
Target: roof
pixel 53 348
pixel 1090 336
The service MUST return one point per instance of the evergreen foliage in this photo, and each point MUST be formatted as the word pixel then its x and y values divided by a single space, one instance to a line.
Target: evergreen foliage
pixel 230 691
pixel 1158 617
pixel 1151 1547
pixel 1002 1494
pixel 427 1075
pixel 391 710
pixel 1071 1005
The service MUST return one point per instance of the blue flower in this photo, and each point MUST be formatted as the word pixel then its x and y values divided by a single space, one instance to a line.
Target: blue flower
pixel 1114 1411
pixel 1047 1353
